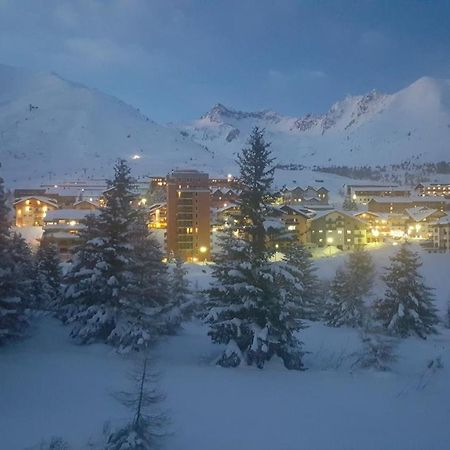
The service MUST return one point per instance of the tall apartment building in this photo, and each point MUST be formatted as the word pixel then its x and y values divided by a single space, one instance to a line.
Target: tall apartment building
pixel 188 215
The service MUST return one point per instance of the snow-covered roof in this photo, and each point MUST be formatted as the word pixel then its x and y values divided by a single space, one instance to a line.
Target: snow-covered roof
pixel 60 235
pixel 273 223
pixel 79 202
pixel 47 200
pixel 298 209
pixel 443 220
pixel 419 213
pixel 321 214
pixel 68 214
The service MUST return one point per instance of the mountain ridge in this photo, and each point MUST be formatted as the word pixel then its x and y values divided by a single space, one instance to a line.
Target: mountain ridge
pixel 53 128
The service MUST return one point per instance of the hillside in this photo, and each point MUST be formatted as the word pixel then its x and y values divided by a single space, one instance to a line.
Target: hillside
pixel 372 129
pixel 52 129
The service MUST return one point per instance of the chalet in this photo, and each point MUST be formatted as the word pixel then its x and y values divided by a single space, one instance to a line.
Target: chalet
pixel 383 224
pixel 62 226
pixel 295 219
pixel 30 211
pixel 310 195
pixel 85 205
pixel 339 229
pixel 441 234
pixel 421 220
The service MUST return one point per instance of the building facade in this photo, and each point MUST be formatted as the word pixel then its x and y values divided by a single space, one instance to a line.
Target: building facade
pixel 31 211
pixel 433 189
pixel 399 205
pixel 441 235
pixel 188 215
pixel 338 229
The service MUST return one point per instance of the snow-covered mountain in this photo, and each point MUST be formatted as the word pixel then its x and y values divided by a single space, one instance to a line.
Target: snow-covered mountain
pixel 52 129
pixel 373 129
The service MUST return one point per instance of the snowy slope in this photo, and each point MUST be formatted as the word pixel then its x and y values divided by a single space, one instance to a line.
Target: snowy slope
pixel 50 386
pixel 52 129
pixel 373 129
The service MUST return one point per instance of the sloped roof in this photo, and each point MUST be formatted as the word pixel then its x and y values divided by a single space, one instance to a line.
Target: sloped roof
pixel 47 200
pixel 420 213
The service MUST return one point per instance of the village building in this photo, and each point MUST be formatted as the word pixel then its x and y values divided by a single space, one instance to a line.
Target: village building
pixel 363 194
pixel 158 215
pixel 399 204
pixel 307 196
pixel 30 211
pixel 221 197
pixel 433 189
pixel 441 234
pixel 296 221
pixel 339 229
pixel 188 215
pixel 62 227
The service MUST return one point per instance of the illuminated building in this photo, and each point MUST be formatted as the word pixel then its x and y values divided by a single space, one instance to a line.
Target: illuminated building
pixel 188 215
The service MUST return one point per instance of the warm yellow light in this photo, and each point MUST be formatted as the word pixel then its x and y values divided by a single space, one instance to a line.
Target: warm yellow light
pixel 72 223
pixel 375 232
pixel 291 227
pixel 203 249
pixel 329 240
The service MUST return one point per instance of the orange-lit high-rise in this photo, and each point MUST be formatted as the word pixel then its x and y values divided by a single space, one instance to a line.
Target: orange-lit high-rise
pixel 188 215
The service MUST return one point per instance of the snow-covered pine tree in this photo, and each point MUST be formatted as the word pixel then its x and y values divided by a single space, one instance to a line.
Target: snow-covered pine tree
pixel 249 308
pixel 107 293
pixel 408 304
pixel 343 306
pixel 348 289
pixel 362 271
pixel 48 276
pixel 179 289
pixel 148 300
pixel 15 277
pixel 147 427
pixel 305 283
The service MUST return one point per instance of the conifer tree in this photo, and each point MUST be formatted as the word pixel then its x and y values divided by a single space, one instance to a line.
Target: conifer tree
pixel 249 308
pixel 15 277
pixel 348 289
pixel 48 277
pixel 344 307
pixel 408 304
pixel 117 284
pixel 179 290
pixel 305 284
pixel 362 271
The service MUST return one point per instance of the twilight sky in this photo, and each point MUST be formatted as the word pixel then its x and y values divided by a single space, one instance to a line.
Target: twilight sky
pixel 174 59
